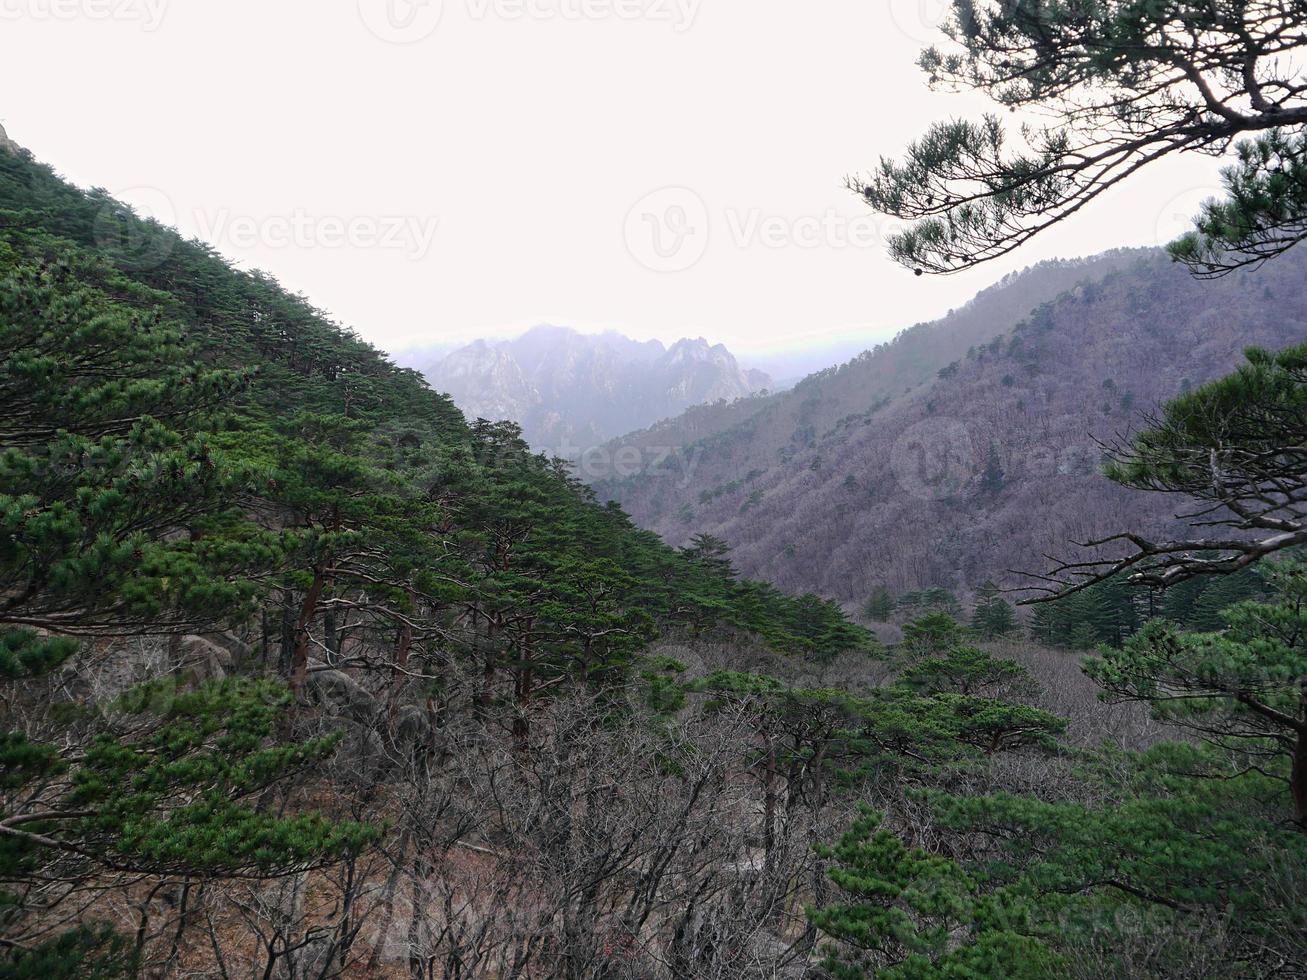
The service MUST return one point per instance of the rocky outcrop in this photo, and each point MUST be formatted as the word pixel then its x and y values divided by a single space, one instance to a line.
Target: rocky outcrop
pixel 571 391
pixel 6 144
pixel 341 692
pixel 204 658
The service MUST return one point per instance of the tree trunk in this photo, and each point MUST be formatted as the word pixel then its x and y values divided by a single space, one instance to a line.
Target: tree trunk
pixel 521 724
pixel 329 634
pixel 388 903
pixel 286 654
pixel 399 676
pixel 299 665
pixel 1298 781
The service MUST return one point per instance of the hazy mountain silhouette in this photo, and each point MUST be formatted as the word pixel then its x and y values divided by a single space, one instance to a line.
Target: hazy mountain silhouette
pixel 966 446
pixel 570 391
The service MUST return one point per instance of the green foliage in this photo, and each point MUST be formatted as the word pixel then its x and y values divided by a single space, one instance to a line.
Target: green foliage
pixel 114 511
pixel 86 952
pixel 1264 209
pixel 1155 844
pixel 1184 838
pixel 185 446
pixel 25 653
pixel 910 914
pixel 879 605
pixel 907 729
pixel 934 633
pixel 174 797
pixel 1106 613
pixel 1197 604
pixel 1118 85
pixel 992 478
pixel 1241 687
pixel 966 686
pixel 1260 408
pixel 929 600
pixel 993 616
pixel 965 670
pixel 1234 447
pixel 1185 835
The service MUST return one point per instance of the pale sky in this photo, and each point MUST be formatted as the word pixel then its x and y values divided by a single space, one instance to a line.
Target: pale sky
pixel 430 172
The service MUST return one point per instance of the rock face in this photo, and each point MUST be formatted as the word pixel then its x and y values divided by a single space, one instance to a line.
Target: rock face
pixel 571 391
pixel 203 658
pixel 6 143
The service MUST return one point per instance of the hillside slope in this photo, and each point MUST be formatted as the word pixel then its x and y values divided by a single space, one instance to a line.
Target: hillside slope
pixel 993 462
pixel 762 429
pixel 330 425
pixel 570 391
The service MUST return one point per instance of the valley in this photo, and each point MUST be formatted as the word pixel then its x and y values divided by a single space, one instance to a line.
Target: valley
pixel 788 642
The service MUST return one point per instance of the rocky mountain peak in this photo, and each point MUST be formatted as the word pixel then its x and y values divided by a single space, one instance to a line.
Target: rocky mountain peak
pixel 6 143
pixel 570 390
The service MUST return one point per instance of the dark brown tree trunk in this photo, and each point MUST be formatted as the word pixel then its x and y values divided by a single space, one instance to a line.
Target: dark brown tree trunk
pixel 524 687
pixel 329 634
pixel 1298 781
pixel 399 675
pixel 299 664
pixel 521 724
pixel 286 654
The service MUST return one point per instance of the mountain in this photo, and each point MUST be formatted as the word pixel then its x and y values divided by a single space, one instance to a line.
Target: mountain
pixel 303 675
pixel 237 538
pixel 111 323
pixel 6 144
pixel 794 359
pixel 928 462
pixel 762 427
pixel 570 391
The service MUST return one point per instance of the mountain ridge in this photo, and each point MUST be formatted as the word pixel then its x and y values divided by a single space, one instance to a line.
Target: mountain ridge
pixel 989 462
pixel 570 391
pixel 886 370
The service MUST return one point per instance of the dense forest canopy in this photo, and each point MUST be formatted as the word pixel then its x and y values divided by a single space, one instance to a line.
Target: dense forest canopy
pixel 196 461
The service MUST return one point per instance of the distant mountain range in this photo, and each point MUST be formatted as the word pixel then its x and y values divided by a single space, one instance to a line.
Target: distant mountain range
pixel 571 391
pixel 965 446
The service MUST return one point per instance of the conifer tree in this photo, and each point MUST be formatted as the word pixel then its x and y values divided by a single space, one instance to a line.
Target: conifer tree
pixel 117 519
pixel 911 915
pixel 1241 687
pixel 993 616
pixel 1120 85
pixel 1235 446
pixel 879 606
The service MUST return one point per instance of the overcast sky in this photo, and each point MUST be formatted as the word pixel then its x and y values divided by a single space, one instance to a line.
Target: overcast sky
pixel 431 172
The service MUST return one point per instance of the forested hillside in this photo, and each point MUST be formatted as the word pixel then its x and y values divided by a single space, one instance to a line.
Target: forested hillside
pixel 305 677
pixel 761 428
pixel 204 479
pixel 992 463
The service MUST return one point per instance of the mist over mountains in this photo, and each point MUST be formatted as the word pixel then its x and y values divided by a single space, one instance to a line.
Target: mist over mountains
pixel 964 447
pixel 570 391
